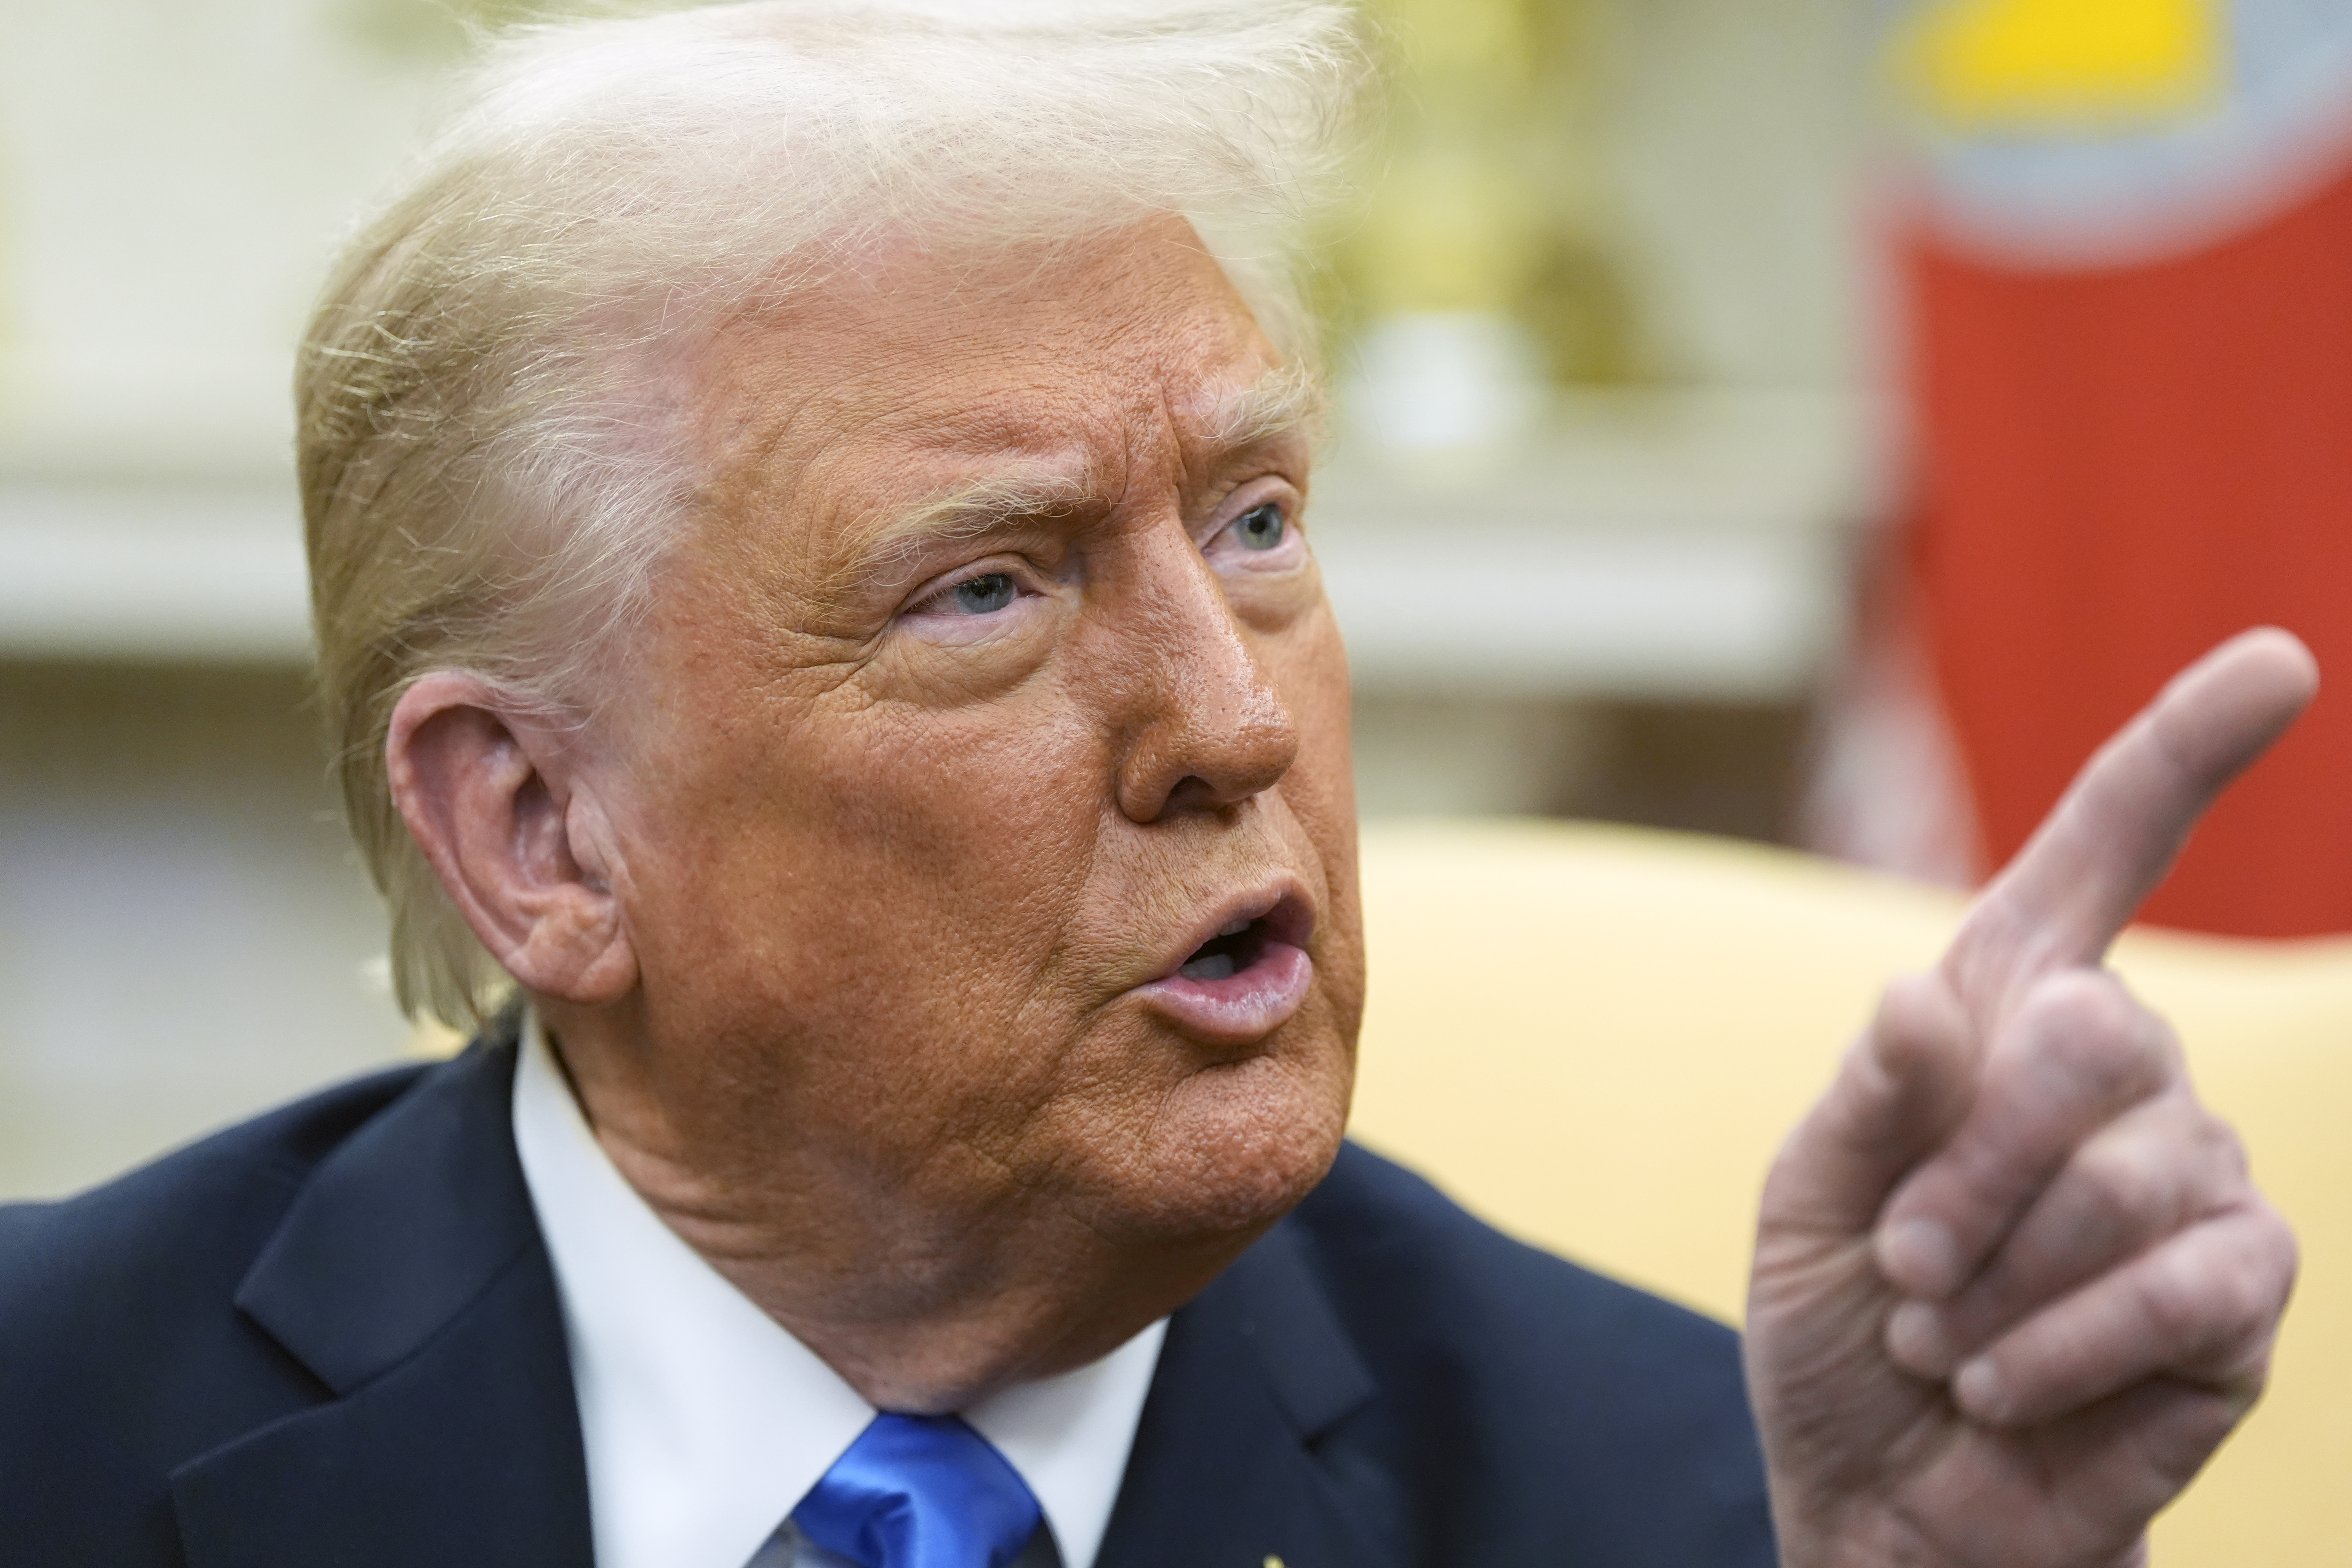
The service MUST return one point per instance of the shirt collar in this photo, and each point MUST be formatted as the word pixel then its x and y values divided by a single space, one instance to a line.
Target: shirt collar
pixel 705 1421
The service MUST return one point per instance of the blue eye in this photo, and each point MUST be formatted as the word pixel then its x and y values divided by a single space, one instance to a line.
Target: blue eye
pixel 984 595
pixel 1261 527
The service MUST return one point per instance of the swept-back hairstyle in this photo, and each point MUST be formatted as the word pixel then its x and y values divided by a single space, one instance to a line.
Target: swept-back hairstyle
pixel 489 436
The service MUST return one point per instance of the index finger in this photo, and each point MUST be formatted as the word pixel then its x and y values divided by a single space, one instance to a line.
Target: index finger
pixel 2116 832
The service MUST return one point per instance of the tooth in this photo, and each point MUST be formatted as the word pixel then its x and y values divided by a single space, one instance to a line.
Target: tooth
pixel 1233 929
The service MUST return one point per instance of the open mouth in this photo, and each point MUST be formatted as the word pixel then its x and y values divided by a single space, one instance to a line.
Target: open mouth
pixel 1234 948
pixel 1251 974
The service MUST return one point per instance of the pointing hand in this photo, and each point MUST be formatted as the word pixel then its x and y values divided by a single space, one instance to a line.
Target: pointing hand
pixel 2012 1283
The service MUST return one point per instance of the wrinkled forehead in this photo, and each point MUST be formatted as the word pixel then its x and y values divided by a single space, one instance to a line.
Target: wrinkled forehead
pixel 929 372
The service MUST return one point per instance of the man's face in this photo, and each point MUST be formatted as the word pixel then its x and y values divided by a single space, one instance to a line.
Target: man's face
pixel 990 837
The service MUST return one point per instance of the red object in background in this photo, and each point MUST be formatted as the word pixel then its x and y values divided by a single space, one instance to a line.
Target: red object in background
pixel 2118 468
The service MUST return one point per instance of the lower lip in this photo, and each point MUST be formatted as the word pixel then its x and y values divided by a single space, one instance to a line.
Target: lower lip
pixel 1242 1007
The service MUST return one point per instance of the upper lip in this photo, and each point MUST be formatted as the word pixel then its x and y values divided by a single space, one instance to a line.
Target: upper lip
pixel 1283 906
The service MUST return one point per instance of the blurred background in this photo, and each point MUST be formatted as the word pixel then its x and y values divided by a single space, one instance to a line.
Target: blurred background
pixel 1815 421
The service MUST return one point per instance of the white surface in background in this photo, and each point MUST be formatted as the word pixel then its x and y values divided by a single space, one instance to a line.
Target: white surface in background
pixel 200 570
pixel 1431 380
pixel 1623 614
pixel 174 179
pixel 1663 544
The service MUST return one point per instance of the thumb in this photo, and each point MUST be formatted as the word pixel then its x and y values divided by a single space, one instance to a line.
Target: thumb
pixel 1904 1088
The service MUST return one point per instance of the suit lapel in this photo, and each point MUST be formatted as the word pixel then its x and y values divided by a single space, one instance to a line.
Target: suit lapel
pixel 1233 1463
pixel 410 1278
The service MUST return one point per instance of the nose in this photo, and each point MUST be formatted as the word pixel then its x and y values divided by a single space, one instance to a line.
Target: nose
pixel 1204 727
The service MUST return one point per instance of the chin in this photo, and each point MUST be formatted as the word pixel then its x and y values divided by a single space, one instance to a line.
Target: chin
pixel 1235 1147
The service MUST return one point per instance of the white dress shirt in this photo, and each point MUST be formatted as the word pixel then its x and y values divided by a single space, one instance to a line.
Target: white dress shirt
pixel 705 1422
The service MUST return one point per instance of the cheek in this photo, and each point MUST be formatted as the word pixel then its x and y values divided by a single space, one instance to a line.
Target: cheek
pixel 873 894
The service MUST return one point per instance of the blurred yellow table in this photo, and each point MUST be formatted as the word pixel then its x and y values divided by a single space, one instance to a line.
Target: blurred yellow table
pixel 1596 1037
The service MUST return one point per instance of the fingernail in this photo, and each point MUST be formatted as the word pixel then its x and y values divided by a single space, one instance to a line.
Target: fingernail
pixel 1919 1257
pixel 1916 1340
pixel 1976 1388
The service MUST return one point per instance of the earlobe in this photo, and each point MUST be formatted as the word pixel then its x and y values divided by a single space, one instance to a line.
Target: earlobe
pixel 520 843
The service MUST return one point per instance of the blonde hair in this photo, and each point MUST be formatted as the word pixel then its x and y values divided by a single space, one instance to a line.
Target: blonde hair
pixel 490 393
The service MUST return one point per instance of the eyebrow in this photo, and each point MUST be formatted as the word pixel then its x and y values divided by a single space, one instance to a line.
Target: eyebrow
pixel 1287 398
pixel 969 512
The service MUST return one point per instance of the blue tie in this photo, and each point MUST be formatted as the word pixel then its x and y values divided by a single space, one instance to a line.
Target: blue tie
pixel 921 1491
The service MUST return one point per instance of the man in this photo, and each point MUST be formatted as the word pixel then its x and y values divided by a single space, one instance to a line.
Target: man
pixel 807 522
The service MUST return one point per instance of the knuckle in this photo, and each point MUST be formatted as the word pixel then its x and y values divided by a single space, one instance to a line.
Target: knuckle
pixel 2235 1162
pixel 2124 1182
pixel 2200 1153
pixel 2224 1150
pixel 2277 1255
pixel 1915 1013
pixel 2077 996
pixel 2242 1306
pixel 2089 1029
pixel 2175 1291
pixel 1912 1001
pixel 2214 1292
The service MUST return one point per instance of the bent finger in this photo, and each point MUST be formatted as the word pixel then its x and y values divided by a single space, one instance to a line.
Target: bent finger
pixel 1902 1089
pixel 2118 829
pixel 2157 1168
pixel 2078 1053
pixel 2202 1307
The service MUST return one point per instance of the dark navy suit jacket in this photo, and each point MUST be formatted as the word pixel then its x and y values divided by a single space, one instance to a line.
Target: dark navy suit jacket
pixel 330 1338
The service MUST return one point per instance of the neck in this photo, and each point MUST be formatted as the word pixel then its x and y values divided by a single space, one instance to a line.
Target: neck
pixel 927 1285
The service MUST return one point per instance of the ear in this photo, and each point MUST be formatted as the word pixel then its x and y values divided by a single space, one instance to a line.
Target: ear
pixel 516 834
